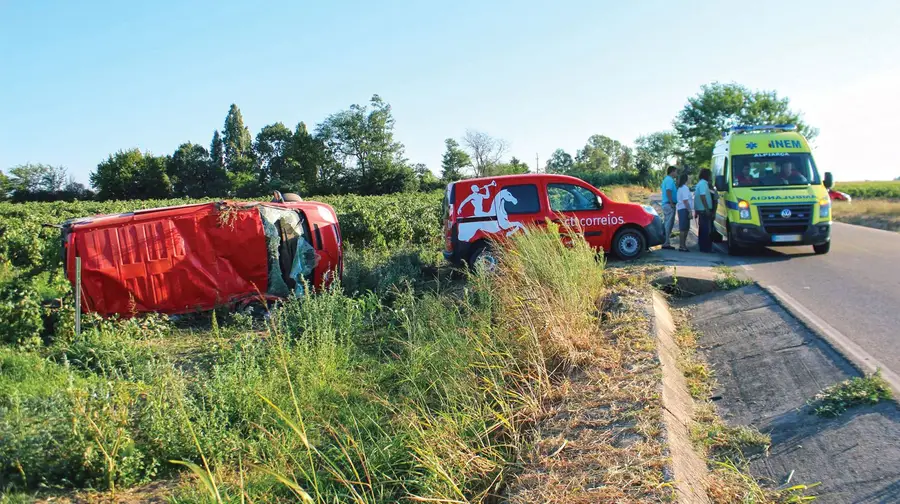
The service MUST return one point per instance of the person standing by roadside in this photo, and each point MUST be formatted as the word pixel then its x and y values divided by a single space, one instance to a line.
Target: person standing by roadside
pixel 703 205
pixel 685 207
pixel 668 205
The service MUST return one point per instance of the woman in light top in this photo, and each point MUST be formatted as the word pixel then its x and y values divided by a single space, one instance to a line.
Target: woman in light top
pixel 685 207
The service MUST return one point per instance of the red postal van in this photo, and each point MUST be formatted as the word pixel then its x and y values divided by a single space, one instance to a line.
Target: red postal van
pixel 197 257
pixel 475 210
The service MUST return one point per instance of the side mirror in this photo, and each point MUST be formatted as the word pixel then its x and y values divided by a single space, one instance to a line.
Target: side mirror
pixel 599 202
pixel 721 183
pixel 829 180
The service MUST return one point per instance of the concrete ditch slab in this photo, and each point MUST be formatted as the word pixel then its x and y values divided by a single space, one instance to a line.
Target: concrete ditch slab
pixel 768 365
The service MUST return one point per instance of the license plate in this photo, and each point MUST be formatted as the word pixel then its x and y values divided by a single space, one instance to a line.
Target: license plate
pixel 786 238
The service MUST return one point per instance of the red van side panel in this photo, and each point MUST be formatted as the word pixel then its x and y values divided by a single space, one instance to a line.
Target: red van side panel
pixel 171 261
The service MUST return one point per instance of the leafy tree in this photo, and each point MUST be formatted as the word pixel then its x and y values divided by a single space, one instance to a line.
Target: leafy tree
pixel 76 191
pixel 4 186
pixel 427 180
pixel 560 162
pixel 34 178
pixel 486 150
pixel 361 141
pixel 237 142
pixel 657 149
pixel 592 159
pixel 512 168
pixel 271 151
pixel 602 153
pixel 720 106
pixel 194 174
pixel 454 161
pixel 217 151
pixel 308 161
pixel 131 174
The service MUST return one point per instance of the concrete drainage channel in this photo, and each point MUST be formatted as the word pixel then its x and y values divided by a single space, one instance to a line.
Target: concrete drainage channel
pixel 768 367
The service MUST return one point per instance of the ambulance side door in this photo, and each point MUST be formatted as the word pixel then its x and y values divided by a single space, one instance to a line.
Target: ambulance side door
pixel 581 210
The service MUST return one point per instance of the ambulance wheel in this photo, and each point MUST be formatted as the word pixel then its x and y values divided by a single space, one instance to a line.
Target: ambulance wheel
pixel 629 243
pixel 823 248
pixel 733 248
pixel 483 258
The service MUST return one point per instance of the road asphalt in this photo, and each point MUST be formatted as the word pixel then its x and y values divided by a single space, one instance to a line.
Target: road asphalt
pixel 855 288
pixel 767 367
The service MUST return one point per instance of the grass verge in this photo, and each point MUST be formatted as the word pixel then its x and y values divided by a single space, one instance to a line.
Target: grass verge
pixel 415 389
pixel 874 213
pixel 857 391
pixel 599 436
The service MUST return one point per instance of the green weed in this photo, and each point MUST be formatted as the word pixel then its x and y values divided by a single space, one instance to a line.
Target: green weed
pixel 727 279
pixel 856 391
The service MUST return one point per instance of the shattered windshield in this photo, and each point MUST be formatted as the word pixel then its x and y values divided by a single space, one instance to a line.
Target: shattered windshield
pixel 291 257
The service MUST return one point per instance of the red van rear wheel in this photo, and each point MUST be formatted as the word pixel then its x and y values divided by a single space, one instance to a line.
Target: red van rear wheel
pixel 483 258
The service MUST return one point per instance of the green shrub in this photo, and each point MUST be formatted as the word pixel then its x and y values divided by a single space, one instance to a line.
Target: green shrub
pixel 870 190
pixel 20 314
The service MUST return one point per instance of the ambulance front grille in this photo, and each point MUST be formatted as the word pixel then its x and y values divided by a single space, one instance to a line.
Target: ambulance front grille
pixel 785 218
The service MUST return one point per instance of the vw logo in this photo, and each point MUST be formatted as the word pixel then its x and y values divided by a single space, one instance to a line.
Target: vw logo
pixel 786 213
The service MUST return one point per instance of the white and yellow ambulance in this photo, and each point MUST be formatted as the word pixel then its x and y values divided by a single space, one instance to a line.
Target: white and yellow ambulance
pixel 770 191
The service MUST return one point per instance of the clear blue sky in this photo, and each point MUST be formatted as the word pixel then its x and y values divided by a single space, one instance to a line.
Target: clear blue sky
pixel 80 80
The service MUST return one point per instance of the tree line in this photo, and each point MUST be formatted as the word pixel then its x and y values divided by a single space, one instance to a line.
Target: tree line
pixel 355 151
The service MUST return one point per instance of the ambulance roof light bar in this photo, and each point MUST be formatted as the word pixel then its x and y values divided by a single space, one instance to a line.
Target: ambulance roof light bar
pixel 761 127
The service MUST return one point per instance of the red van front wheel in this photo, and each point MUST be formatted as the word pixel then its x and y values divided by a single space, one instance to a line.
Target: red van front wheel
pixel 629 243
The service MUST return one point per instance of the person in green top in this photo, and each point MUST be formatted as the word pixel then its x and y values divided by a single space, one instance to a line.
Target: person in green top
pixel 703 210
pixel 669 202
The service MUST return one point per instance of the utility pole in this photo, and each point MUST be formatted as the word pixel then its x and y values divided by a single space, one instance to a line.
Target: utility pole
pixel 537 164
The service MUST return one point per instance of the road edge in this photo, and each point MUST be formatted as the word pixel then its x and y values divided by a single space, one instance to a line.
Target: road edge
pixel 689 470
pixel 859 358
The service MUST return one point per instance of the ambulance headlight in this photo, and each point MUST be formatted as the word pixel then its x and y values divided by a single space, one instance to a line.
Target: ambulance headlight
pixel 650 210
pixel 744 209
pixel 824 208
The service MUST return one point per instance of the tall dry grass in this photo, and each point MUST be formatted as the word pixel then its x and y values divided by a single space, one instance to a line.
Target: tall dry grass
pixel 875 213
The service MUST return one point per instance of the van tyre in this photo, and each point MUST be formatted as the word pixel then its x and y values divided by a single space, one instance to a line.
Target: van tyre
pixel 823 248
pixel 483 258
pixel 629 244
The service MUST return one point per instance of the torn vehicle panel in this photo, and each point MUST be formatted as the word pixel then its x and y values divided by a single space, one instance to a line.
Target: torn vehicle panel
pixel 196 257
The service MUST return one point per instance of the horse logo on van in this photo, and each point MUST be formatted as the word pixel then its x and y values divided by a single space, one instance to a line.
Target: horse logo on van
pixel 495 220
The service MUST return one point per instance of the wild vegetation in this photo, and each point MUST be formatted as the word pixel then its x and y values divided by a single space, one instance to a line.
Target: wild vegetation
pixel 877 213
pixel 870 189
pixel 402 383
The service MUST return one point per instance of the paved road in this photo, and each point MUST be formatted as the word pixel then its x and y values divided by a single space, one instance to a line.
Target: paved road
pixel 855 288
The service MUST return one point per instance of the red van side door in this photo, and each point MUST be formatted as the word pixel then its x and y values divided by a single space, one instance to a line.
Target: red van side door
pixel 586 211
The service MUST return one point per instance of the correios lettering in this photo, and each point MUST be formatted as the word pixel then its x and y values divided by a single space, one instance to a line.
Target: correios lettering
pixel 611 220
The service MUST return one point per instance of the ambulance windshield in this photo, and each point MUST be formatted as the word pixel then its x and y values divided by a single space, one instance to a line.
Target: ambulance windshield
pixel 772 170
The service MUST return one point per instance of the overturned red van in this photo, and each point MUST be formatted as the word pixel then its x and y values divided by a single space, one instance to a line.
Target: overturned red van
pixel 477 211
pixel 196 257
